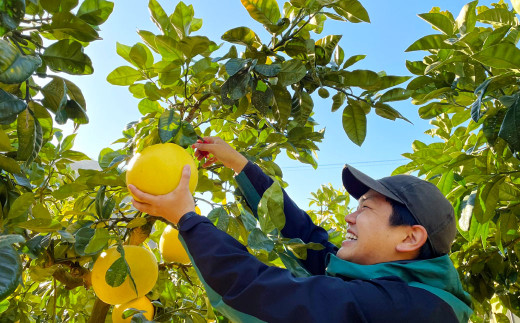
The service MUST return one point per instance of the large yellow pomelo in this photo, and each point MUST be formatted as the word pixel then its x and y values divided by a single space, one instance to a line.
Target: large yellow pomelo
pixel 157 169
pixel 143 267
pixel 141 304
pixel 171 247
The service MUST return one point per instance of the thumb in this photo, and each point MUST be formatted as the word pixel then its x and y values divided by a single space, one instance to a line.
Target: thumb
pixel 185 177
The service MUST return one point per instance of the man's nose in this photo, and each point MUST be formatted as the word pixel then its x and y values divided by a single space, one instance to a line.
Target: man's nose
pixel 351 218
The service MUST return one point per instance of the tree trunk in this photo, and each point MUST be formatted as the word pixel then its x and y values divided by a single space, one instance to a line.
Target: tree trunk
pixel 99 312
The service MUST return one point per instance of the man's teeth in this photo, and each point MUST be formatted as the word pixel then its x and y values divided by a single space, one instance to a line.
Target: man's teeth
pixel 351 236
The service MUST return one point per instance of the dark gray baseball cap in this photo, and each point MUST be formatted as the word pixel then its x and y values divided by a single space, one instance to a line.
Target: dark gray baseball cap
pixel 424 200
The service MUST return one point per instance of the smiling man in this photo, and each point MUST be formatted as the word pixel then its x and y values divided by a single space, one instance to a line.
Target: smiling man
pixel 392 266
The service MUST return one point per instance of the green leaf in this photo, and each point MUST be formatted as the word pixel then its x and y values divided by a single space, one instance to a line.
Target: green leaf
pixel 355 123
pixel 435 41
pixel 10 107
pixel 293 266
pixel 304 105
pixel 41 225
pixel 83 237
pixel 65 25
pixel 146 106
pixel 123 75
pixel 467 18
pixel 235 65
pixel 282 104
pixel 98 241
pixel 117 272
pixel 220 218
pixel 169 124
pixel 497 16
pixel 235 87
pixel 292 72
pixel 516 5
pixel 243 36
pixel 387 112
pixel 67 56
pixel 270 209
pixel 182 18
pixel 480 91
pixel 5 142
pixel 352 60
pixel 192 46
pixel 39 211
pixel 337 101
pixel 55 95
pixel 53 6
pixel 259 241
pixel 9 165
pixel 9 239
pixel 248 220
pixel 95 12
pixel 186 135
pixel 510 129
pixel 502 55
pixel 68 190
pixel 21 205
pixel 75 112
pixel 11 13
pixel 396 94
pixel 141 56
pixel 168 48
pixel 265 12
pixel 15 67
pixel 487 199
pixel 30 137
pixel 352 10
pixel 10 271
pixel 159 17
pixel 439 22
pixel 328 43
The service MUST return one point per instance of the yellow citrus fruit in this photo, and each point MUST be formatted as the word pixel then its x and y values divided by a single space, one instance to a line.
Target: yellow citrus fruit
pixel 157 169
pixel 141 304
pixel 143 267
pixel 171 247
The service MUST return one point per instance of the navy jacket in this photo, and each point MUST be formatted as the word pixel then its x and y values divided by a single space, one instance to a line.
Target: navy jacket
pixel 246 290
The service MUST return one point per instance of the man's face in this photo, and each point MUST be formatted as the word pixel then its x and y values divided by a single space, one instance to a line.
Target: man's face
pixel 370 238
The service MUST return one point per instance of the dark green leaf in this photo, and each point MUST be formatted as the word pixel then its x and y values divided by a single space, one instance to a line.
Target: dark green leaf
pixel 10 107
pixel 186 135
pixel 21 205
pixel 65 25
pixel 15 67
pixel 328 43
pixel 220 218
pixel 11 13
pixel 9 165
pixel 95 12
pixel 270 209
pixel 292 71
pixel 99 201
pixel 352 60
pixel 30 137
pixel 396 94
pixel 98 241
pixel 169 124
pixel 355 123
pixel 83 237
pixel 510 129
pixel 75 112
pixel 55 95
pixel 480 91
pixel 259 241
pixel 117 273
pixel 487 199
pixel 337 101
pixel 10 271
pixel 248 220
pixel 235 65
pixel 293 266
pixel 268 70
pixel 9 239
pixel 282 104
pixel 235 87
pixel 304 105
pixel 68 190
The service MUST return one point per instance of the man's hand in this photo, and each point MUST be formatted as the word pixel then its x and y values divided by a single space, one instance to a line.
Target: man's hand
pixel 171 206
pixel 221 151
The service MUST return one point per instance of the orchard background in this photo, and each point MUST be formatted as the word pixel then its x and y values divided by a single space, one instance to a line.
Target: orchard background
pixel 260 95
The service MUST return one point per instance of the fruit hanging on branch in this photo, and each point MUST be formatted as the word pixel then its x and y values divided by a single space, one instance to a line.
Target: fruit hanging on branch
pixel 141 304
pixel 171 247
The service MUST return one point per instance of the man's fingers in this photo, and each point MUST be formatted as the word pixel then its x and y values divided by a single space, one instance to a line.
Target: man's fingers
pixel 140 195
pixel 185 177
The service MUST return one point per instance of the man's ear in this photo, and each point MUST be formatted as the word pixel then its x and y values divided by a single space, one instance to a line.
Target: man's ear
pixel 416 236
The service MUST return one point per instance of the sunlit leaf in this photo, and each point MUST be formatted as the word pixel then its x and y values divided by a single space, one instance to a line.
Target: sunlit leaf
pixel 123 75
pixel 352 10
pixel 467 18
pixel 15 67
pixel 265 12
pixel 95 12
pixel 355 123
pixel 65 25
pixel 436 41
pixel 440 22
pixel 502 55
pixel 243 36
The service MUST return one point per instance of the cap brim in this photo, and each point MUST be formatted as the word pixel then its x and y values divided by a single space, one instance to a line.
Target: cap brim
pixel 357 183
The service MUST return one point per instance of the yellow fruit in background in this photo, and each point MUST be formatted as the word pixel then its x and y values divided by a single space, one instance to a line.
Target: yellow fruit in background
pixel 157 169
pixel 141 304
pixel 143 267
pixel 171 247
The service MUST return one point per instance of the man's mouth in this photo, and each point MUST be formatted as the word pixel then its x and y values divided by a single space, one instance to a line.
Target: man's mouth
pixel 350 236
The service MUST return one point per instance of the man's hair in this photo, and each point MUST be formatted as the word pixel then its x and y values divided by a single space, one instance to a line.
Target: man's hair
pixel 402 216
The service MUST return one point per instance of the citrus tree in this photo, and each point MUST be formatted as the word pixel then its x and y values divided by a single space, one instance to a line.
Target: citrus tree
pixel 467 85
pixel 256 94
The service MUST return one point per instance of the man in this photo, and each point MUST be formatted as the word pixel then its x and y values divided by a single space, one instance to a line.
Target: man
pixel 392 267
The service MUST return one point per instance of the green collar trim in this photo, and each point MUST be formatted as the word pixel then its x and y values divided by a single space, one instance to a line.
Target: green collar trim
pixel 436 275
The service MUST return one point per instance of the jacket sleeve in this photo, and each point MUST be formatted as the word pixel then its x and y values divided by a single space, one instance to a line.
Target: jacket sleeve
pixel 246 290
pixel 253 182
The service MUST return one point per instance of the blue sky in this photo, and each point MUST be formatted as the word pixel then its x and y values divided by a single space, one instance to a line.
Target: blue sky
pixel 394 26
